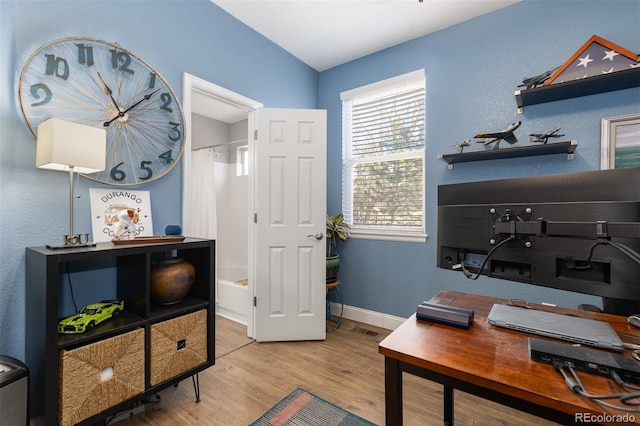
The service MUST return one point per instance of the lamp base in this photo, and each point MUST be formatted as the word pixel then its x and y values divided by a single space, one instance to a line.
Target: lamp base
pixel 73 241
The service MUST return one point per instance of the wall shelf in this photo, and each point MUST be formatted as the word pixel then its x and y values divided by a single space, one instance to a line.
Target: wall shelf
pixel 526 151
pixel 572 89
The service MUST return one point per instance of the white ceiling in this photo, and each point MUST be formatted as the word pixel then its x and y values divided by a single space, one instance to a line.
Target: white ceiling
pixel 326 33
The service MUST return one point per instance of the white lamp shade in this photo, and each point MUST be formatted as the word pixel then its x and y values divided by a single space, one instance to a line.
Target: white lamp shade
pixel 62 144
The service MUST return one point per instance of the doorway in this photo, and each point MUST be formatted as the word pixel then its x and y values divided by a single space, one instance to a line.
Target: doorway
pixel 286 261
pixel 218 119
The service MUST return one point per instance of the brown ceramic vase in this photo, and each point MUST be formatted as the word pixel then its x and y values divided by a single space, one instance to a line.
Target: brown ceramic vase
pixel 171 280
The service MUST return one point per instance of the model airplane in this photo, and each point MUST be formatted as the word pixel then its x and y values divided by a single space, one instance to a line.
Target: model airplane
pixel 531 82
pixel 505 134
pixel 462 145
pixel 544 137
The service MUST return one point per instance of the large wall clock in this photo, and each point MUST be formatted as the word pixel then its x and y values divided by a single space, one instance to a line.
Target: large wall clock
pixel 102 84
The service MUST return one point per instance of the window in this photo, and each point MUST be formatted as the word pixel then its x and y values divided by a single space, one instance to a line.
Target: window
pixel 242 160
pixel 383 141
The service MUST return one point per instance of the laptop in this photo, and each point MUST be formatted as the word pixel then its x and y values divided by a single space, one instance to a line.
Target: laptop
pixel 564 327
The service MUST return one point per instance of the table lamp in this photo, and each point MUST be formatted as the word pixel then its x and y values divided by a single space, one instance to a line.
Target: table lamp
pixel 71 147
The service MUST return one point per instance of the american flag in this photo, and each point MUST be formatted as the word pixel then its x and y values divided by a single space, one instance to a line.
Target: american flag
pixel 596 57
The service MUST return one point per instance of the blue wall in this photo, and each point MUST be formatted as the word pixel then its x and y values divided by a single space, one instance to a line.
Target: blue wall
pixel 175 36
pixel 472 70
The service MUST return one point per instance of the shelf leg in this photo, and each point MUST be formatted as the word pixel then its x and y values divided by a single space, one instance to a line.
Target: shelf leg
pixel 196 386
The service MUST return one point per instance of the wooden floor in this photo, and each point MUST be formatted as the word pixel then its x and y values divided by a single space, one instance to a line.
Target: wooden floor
pixel 345 369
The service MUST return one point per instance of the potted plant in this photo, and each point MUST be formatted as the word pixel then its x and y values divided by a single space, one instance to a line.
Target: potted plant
pixel 337 229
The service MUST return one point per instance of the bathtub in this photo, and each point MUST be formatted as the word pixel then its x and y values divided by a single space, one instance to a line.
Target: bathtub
pixel 233 298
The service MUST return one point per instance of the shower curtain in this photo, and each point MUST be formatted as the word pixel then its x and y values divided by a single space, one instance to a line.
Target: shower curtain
pixel 204 221
pixel 202 212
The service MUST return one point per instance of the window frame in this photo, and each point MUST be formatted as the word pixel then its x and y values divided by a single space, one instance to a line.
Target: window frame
pixel 372 91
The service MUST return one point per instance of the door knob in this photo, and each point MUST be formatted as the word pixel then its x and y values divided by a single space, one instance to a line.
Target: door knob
pixel 317 236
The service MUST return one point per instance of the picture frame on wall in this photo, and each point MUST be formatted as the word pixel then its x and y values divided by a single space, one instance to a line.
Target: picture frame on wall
pixel 620 142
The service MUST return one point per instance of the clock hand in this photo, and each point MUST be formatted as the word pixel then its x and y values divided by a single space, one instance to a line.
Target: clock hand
pixel 146 97
pixel 108 92
pixel 122 113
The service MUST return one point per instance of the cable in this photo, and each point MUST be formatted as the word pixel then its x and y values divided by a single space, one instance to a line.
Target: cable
pixel 232 351
pixel 73 299
pixel 616 378
pixel 627 251
pixel 575 385
pixel 468 274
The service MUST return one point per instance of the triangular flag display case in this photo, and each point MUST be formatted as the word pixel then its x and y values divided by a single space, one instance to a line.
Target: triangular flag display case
pixel 596 57
pixel 598 66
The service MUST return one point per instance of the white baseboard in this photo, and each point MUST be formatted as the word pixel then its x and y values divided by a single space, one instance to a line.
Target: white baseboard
pixel 365 316
pixel 353 313
pixel 231 315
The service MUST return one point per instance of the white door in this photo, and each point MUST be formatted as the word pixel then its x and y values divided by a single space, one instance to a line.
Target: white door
pixel 289 259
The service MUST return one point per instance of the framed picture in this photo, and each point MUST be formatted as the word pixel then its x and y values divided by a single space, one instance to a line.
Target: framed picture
pixel 620 142
pixel 118 214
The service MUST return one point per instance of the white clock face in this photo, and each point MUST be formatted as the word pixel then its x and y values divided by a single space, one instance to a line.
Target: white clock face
pixel 101 84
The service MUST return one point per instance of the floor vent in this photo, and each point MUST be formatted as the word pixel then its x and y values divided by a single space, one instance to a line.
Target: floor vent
pixel 365 331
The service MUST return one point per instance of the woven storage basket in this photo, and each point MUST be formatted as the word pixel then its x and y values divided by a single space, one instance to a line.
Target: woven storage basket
pixel 82 391
pixel 178 345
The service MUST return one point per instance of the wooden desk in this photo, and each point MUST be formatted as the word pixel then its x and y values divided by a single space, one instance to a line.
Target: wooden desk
pixel 492 363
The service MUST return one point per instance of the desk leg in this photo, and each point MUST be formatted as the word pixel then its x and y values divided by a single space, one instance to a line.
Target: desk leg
pixel 392 392
pixel 448 405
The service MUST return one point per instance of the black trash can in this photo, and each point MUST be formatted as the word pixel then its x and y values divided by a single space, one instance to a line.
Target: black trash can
pixel 14 391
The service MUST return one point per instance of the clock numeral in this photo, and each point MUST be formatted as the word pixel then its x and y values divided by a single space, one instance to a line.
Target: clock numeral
pixel 117 174
pixel 166 156
pixel 121 60
pixel 166 101
pixel 35 89
pixel 53 66
pixel 147 170
pixel 174 134
pixel 152 80
pixel 85 54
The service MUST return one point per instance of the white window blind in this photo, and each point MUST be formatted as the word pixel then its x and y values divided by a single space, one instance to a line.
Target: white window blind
pixel 383 158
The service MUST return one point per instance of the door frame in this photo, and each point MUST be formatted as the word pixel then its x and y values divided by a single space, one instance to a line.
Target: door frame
pixel 195 85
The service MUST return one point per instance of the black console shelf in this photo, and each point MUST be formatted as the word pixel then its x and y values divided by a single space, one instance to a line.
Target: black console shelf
pixel 572 89
pixel 46 274
pixel 525 151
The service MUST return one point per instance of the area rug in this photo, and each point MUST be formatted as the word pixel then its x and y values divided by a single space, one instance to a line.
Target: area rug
pixel 301 408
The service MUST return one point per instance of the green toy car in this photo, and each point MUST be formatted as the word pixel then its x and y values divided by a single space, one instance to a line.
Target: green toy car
pixel 90 316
